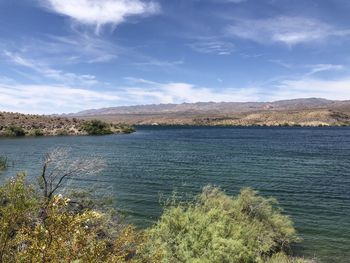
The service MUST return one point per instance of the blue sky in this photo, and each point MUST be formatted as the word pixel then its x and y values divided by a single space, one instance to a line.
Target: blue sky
pixel 60 56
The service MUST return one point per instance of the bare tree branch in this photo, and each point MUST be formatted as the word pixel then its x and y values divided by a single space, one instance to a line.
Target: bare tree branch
pixel 59 166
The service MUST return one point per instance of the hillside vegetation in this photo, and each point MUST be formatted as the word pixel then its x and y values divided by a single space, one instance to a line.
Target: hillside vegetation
pixel 17 125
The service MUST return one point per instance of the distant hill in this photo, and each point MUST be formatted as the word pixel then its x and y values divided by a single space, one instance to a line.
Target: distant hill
pixel 214 107
pixel 305 112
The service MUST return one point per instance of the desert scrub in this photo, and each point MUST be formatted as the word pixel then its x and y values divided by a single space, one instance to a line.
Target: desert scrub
pixel 219 228
pixel 97 127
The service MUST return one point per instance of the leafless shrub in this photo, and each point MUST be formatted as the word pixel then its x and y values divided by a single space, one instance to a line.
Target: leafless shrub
pixel 59 167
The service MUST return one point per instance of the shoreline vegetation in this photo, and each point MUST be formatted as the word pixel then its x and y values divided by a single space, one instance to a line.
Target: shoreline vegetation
pixel 20 125
pixel 44 223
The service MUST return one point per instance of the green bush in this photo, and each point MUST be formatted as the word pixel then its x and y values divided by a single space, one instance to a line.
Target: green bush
pixel 283 258
pixel 62 132
pixel 14 131
pixel 97 127
pixel 37 132
pixel 127 129
pixel 219 228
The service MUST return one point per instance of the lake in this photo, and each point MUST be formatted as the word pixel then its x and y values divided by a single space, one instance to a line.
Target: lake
pixel 306 169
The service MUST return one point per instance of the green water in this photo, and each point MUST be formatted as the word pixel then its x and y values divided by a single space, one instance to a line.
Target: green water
pixel 306 169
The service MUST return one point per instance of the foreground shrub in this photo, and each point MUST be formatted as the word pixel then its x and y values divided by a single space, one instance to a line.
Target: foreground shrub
pixel 33 229
pixel 65 237
pixel 218 228
pixel 97 127
pixel 46 227
pixel 17 208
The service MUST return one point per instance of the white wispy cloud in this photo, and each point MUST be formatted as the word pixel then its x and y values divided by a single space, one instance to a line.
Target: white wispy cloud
pixel 312 68
pixel 101 12
pixel 159 63
pixel 284 29
pixel 252 56
pixel 324 67
pixel 76 48
pixel 213 46
pixel 48 72
pixel 281 63
pixel 83 46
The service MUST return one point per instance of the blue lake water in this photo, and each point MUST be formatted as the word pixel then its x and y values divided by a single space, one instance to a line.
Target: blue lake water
pixel 306 169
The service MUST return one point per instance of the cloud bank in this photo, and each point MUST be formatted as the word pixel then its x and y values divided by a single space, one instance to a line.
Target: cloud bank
pixel 48 99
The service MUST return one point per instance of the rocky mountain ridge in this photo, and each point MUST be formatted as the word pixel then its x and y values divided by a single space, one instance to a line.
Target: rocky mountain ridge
pixel 303 112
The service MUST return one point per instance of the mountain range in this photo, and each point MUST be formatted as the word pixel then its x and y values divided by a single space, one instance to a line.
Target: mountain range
pixel 305 112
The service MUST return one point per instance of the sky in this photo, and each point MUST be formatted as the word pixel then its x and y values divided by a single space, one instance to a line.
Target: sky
pixel 62 56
